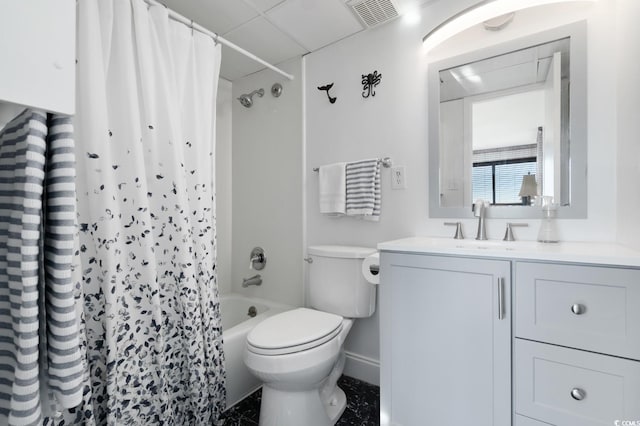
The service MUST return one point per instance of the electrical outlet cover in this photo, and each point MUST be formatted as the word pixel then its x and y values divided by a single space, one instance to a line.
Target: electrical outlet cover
pixel 398 178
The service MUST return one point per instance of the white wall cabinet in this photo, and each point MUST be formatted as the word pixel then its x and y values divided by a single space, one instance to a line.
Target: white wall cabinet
pixel 445 341
pixel 37 46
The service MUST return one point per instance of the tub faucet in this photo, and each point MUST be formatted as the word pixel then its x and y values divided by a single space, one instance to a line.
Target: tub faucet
pixel 254 280
pixel 479 208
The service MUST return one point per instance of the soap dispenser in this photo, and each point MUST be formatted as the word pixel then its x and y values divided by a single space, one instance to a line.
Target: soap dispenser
pixel 548 228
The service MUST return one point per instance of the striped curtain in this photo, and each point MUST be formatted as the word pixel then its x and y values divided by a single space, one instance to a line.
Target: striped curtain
pixel 40 358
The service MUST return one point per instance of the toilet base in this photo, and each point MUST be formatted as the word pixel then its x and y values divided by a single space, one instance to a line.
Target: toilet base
pixel 283 408
pixel 292 408
pixel 336 405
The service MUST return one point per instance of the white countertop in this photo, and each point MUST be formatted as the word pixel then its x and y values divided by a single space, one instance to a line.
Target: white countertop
pixel 579 252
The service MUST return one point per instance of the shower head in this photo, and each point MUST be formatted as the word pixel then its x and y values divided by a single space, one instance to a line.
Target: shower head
pixel 247 99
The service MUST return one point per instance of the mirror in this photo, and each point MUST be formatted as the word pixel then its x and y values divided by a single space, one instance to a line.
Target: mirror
pixel 507 124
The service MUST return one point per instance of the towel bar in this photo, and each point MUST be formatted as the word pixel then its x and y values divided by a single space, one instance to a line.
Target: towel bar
pixel 386 162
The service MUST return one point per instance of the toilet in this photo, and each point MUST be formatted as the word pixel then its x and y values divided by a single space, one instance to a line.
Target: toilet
pixel 298 354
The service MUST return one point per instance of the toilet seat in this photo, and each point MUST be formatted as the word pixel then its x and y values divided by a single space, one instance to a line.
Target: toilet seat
pixel 293 331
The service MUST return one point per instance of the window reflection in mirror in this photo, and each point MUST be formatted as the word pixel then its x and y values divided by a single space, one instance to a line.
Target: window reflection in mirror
pixel 506 117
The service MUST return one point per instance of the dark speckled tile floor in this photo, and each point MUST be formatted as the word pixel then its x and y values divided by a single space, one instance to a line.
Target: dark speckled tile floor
pixel 363 406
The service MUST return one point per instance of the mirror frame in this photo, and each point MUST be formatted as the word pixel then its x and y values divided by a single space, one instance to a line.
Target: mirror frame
pixel 577 124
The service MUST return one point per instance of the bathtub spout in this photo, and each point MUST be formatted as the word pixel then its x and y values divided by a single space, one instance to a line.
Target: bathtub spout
pixel 254 280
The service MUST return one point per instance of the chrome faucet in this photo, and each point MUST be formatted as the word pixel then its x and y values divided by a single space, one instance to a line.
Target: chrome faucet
pixel 479 208
pixel 254 280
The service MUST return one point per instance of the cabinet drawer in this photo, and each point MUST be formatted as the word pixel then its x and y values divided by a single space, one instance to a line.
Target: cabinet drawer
pixel 568 387
pixel 586 307
pixel 526 421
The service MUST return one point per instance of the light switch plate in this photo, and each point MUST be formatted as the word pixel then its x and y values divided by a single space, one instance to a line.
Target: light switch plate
pixel 398 178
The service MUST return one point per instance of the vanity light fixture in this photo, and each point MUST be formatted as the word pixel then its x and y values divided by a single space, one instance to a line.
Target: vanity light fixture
pixel 478 13
pixel 499 22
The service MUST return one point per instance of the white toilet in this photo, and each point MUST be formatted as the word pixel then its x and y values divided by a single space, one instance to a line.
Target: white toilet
pixel 298 354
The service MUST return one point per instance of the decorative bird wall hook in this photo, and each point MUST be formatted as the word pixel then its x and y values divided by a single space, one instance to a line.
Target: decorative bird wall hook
pixel 369 82
pixel 326 88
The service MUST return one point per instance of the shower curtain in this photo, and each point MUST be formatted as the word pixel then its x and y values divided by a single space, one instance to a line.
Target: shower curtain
pixel 146 211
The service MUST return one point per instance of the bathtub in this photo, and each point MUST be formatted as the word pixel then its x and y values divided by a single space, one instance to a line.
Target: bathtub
pixel 236 324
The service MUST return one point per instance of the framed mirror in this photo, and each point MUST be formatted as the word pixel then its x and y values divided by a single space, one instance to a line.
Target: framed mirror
pixel 507 124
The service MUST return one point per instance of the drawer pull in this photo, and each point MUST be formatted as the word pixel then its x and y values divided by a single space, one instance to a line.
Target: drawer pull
pixel 578 394
pixel 501 298
pixel 578 309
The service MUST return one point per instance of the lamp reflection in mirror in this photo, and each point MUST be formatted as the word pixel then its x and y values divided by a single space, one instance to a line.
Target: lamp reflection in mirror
pixel 478 13
pixel 529 189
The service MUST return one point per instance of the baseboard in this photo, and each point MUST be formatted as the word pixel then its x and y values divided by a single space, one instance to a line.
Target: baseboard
pixel 362 368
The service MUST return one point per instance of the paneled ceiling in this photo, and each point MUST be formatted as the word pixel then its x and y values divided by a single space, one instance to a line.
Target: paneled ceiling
pixel 276 30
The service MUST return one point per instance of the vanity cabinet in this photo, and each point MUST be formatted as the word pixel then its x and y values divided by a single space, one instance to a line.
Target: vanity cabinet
pixel 448 354
pixel 577 344
pixel 445 340
pixel 38 54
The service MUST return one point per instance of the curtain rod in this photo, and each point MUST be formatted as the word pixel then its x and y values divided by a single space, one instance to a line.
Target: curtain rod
pixel 188 22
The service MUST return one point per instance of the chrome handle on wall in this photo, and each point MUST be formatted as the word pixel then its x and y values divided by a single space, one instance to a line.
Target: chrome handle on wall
pixel 578 394
pixel 257 259
pixel 578 309
pixel 500 298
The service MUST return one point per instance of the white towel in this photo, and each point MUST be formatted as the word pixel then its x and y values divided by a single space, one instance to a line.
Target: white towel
pixel 332 188
pixel 363 189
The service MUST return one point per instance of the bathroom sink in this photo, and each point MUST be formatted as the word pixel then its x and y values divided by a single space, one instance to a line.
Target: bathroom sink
pixel 585 252
pixel 486 245
pixel 450 245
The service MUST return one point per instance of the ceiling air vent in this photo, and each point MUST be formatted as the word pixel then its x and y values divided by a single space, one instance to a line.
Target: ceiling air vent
pixel 373 12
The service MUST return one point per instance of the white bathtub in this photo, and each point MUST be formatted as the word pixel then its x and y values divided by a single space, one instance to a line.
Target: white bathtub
pixel 236 324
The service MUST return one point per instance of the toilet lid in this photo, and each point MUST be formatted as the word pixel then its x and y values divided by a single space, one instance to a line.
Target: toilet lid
pixel 293 331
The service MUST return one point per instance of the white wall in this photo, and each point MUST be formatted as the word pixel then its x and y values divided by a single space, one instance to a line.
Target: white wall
pixel 223 184
pixel 394 123
pixel 267 185
pixel 628 108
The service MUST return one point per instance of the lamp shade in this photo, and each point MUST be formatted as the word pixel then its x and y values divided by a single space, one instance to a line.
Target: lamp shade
pixel 529 186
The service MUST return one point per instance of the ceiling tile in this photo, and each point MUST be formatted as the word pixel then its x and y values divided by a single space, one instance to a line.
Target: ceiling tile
pixel 219 16
pixel 235 65
pixel 265 40
pixel 315 23
pixel 263 5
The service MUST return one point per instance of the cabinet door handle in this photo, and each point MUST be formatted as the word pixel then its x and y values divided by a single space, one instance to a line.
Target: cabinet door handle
pixel 500 298
pixel 578 394
pixel 578 309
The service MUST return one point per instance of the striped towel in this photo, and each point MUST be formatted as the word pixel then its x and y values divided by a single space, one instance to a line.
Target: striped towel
pixel 64 365
pixel 23 160
pixel 363 189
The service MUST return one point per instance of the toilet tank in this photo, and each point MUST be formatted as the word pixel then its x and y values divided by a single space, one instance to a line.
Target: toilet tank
pixel 336 283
